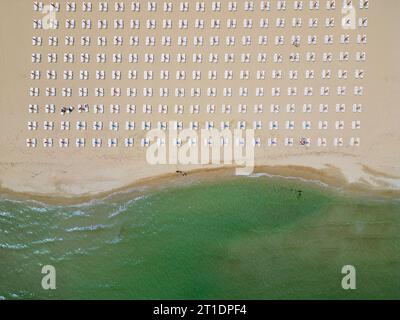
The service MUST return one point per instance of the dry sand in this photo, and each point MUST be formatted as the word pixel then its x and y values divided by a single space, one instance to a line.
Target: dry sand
pixel 84 172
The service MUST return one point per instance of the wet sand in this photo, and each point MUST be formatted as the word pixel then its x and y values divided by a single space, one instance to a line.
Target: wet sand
pixel 330 179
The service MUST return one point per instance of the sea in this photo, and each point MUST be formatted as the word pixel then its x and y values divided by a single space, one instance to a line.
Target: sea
pixel 238 238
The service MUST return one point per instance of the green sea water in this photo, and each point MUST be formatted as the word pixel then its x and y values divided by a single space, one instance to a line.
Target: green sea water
pixel 240 238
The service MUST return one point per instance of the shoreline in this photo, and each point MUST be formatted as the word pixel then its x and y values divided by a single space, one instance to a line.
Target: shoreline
pixel 54 175
pixel 330 177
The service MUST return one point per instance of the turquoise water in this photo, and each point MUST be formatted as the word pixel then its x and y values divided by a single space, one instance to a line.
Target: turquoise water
pixel 236 239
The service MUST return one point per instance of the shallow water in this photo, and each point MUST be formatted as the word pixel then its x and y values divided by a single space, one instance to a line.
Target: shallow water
pixel 236 239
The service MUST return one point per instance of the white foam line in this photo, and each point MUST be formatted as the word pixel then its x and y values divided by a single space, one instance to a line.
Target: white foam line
pixel 123 207
pixel 318 182
pixel 88 228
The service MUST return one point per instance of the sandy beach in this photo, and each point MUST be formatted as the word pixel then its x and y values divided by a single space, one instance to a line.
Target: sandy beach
pixel 72 172
pixel 85 213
